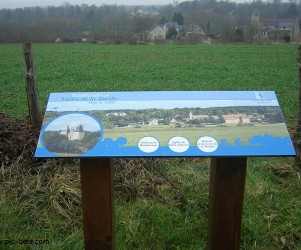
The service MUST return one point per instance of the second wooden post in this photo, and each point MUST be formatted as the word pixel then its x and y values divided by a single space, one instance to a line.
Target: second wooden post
pixel 97 201
pixel 226 195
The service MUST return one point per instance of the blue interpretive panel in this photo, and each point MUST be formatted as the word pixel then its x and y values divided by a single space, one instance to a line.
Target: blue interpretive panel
pixel 164 124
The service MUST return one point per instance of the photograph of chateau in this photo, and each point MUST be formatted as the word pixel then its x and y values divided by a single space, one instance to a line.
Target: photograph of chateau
pixel 71 139
pixel 76 133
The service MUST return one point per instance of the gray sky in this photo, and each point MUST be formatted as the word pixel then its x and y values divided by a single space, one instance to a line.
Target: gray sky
pixel 29 3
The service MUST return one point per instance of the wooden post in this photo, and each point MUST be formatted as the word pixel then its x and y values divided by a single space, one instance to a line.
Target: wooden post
pixel 226 194
pixel 31 88
pixel 97 202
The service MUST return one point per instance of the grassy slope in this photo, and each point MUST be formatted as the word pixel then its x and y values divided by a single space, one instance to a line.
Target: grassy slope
pixel 153 211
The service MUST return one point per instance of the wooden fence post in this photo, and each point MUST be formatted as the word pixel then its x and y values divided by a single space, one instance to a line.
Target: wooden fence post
pixel 31 88
pixel 97 180
pixel 226 194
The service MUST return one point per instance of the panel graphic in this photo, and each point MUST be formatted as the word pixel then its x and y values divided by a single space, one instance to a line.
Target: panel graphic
pixel 164 123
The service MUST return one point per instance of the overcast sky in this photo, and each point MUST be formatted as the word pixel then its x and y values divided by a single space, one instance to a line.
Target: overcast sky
pixel 25 3
pixel 29 3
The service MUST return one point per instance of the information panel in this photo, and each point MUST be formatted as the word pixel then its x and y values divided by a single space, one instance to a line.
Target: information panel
pixel 164 124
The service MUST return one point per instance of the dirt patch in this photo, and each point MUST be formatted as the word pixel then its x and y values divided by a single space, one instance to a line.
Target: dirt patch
pixel 18 139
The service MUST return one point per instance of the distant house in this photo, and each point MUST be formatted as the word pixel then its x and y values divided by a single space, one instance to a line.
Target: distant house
pixel 157 33
pixel 275 29
pixel 194 33
pixel 191 31
pixel 76 133
pixel 58 40
pixel 236 119
pixel 173 121
pixel 153 122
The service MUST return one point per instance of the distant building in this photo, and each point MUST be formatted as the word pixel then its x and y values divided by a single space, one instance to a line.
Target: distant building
pixel 236 119
pixel 153 122
pixel 157 33
pixel 76 133
pixel 275 29
pixel 195 117
pixel 58 40
pixel 194 31
pixel 173 121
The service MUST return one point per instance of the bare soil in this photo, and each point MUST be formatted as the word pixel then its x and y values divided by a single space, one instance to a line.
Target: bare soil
pixel 18 139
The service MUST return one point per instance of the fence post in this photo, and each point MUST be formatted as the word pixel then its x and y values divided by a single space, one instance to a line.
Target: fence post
pixel 226 194
pixel 97 180
pixel 31 88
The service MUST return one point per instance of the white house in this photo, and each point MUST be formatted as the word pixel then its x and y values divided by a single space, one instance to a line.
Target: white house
pixel 157 33
pixel 58 40
pixel 153 122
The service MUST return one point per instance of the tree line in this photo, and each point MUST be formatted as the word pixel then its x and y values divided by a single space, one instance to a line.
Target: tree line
pixel 122 23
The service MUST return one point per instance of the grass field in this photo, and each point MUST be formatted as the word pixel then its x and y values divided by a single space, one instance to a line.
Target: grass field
pixel 160 203
pixel 192 134
pixel 83 67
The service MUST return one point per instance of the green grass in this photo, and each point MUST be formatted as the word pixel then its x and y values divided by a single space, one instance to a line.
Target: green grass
pixel 164 133
pixel 85 67
pixel 159 203
pixel 273 204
